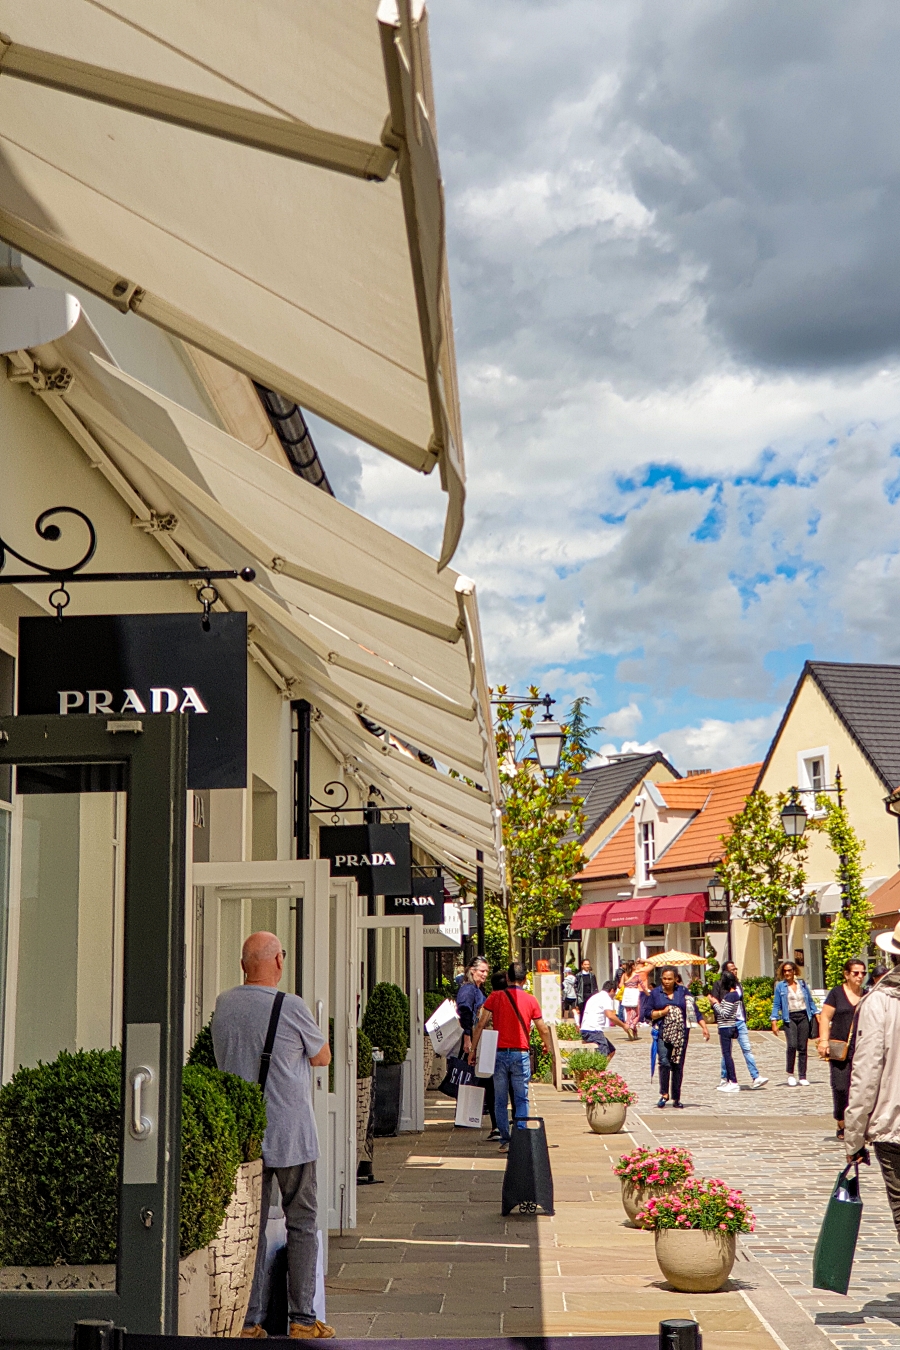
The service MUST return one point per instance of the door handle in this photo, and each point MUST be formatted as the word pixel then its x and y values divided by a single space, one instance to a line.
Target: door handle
pixel 320 1009
pixel 140 1125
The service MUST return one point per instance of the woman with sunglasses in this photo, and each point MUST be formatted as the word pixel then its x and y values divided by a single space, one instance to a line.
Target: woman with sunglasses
pixel 837 1035
pixel 793 1005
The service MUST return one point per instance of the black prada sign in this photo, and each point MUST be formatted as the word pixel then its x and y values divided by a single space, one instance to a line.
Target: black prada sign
pixel 379 856
pixel 426 898
pixel 132 665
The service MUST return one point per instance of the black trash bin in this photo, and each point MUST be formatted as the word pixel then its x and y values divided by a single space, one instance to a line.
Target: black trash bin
pixel 528 1181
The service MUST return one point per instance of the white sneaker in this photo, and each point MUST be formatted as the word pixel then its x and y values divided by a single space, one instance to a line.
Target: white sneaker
pixel 792 1082
pixel 723 1086
pixel 804 1082
pixel 732 1087
pixel 758 1082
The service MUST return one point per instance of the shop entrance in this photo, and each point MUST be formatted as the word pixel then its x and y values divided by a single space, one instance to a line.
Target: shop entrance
pixel 314 915
pixel 390 949
pixel 94 962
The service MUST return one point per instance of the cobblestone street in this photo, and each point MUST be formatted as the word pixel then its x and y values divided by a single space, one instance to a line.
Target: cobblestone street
pixel 777 1144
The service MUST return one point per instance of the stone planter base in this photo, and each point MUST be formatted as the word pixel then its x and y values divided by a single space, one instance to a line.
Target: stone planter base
pixel 363 1105
pixel 193 1285
pixel 429 1060
pixel 438 1072
pixel 634 1198
pixel 695 1261
pixel 232 1254
pixel 606 1119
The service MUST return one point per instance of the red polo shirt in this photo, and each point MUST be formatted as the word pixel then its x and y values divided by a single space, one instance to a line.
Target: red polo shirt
pixel 512 1035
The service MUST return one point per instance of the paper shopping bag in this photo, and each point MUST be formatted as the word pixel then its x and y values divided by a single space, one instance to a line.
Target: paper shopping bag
pixel 486 1054
pixel 459 1073
pixel 835 1249
pixel 444 1028
pixel 469 1106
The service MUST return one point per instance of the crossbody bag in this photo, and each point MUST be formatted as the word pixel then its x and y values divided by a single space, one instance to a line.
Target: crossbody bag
pixel 518 1014
pixel 839 1050
pixel 265 1058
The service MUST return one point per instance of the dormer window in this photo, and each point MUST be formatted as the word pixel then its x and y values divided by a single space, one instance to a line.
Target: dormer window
pixel 648 850
pixel 813 772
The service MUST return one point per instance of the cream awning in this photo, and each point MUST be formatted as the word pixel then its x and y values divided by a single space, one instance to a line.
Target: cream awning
pixel 364 620
pixel 259 179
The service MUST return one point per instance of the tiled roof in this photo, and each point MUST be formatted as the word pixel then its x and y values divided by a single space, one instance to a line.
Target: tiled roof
pixel 698 843
pixel 886 899
pixel 867 700
pixel 608 785
pixel 616 857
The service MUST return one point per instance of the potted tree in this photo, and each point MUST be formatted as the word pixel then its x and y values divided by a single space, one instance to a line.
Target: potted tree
pixel 696 1227
pixel 606 1097
pixel 645 1173
pixel 386 1023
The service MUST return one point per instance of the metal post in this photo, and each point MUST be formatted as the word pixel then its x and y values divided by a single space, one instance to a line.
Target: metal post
pixel 97 1335
pixel 728 956
pixel 302 786
pixel 479 901
pixel 839 784
pixel 677 1333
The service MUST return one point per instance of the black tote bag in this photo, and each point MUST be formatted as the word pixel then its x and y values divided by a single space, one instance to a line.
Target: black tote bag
pixel 459 1073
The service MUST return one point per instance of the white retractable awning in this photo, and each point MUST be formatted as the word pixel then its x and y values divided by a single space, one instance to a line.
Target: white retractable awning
pixel 365 620
pixel 261 180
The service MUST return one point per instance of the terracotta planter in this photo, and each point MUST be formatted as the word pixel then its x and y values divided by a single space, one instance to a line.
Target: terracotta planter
pixel 232 1254
pixel 605 1119
pixel 693 1260
pixel 634 1198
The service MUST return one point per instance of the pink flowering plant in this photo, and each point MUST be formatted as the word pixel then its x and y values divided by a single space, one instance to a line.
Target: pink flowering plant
pixel 606 1089
pixel 663 1167
pixel 699 1202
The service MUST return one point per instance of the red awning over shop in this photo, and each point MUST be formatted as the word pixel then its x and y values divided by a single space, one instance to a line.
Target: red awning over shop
pixel 591 916
pixel 628 913
pixel 680 908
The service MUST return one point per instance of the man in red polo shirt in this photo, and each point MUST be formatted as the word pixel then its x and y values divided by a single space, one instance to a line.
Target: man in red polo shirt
pixel 512 1011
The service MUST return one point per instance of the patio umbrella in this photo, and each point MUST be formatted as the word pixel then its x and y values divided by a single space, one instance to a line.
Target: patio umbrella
pixel 674 958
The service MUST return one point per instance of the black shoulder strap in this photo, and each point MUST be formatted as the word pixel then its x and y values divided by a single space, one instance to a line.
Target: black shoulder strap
pixel 265 1058
pixel 508 994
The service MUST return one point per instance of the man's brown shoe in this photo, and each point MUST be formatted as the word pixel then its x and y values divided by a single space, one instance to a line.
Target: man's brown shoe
pixel 319 1331
pixel 255 1332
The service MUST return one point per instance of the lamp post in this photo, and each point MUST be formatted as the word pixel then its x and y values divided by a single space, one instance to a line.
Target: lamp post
pixel 794 820
pixel 717 892
pixel 548 735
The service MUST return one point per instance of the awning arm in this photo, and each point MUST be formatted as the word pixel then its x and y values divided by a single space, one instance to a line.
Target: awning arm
pixel 261 131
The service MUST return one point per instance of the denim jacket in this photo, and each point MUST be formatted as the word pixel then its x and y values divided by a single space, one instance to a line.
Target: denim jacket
pixel 780 1002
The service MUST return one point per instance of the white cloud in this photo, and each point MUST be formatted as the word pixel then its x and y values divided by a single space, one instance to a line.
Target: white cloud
pixel 715 744
pixel 624 721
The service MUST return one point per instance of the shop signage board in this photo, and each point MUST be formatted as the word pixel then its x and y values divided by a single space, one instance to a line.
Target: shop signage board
pixel 448 933
pixel 426 898
pixel 134 665
pixel 378 856
pixel 716 920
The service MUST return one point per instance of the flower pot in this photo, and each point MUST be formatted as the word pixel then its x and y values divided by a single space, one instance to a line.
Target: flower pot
pixel 605 1119
pixel 694 1260
pixel 232 1254
pixel 388 1087
pixel 634 1198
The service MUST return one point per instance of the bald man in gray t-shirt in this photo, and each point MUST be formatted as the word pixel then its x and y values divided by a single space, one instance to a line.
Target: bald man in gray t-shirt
pixel 290 1145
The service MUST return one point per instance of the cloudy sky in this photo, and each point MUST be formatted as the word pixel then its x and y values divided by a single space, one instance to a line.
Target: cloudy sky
pixel 674 235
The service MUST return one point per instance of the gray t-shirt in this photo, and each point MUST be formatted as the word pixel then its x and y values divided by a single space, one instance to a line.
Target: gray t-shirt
pixel 239 1028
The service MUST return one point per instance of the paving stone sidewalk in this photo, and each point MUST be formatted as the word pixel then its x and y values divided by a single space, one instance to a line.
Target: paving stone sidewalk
pixel 777 1144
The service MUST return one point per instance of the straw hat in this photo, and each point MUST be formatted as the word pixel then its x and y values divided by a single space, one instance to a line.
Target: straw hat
pixel 889 942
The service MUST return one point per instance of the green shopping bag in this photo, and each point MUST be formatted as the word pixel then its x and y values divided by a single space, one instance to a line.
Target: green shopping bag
pixel 835 1249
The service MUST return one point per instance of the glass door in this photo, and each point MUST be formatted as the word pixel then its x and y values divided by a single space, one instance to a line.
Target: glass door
pixel 391 949
pixel 93 853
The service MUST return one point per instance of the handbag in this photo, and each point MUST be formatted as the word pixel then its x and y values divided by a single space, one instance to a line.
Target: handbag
pixel 631 996
pixel 459 1074
pixel 839 1050
pixel 836 1245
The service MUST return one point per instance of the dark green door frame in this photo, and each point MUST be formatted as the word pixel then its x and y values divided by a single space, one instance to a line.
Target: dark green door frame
pixel 153 751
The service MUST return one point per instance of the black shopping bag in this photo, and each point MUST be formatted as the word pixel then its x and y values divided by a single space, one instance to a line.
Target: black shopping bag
pixel 528 1181
pixel 835 1249
pixel 459 1073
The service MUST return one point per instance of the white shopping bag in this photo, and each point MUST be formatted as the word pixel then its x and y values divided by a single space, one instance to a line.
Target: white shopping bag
pixel 486 1054
pixel 444 1028
pixel 319 1300
pixel 469 1107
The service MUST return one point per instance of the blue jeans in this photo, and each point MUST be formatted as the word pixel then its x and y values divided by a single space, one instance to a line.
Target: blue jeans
pixel 512 1069
pixel 743 1039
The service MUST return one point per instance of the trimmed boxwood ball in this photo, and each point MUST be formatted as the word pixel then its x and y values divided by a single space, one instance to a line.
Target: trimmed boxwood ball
pixel 363 1055
pixel 386 1022
pixel 246 1099
pixel 202 1051
pixel 59 1157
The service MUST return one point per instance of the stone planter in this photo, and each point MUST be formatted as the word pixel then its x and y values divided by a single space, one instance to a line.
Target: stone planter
pixel 232 1254
pixel 429 1060
pixel 363 1105
pixel 605 1119
pixel 693 1260
pixel 438 1072
pixel 193 1285
pixel 634 1198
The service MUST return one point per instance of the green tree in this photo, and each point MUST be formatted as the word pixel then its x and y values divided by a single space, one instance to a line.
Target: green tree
pixel 579 731
pixel 762 866
pixel 539 811
pixel 850 934
pixel 496 936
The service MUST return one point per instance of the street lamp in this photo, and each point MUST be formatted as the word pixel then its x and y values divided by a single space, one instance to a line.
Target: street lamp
pixel 793 816
pixel 720 898
pixel 548 736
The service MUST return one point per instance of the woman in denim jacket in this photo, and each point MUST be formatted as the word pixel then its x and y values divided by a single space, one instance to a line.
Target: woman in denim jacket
pixel 793 1004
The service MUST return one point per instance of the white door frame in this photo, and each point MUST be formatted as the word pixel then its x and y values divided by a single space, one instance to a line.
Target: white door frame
pixel 342 1101
pixel 412 1113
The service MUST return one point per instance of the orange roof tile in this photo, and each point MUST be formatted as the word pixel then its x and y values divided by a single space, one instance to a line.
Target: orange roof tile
pixel 886 899
pixel 616 857
pixel 725 794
